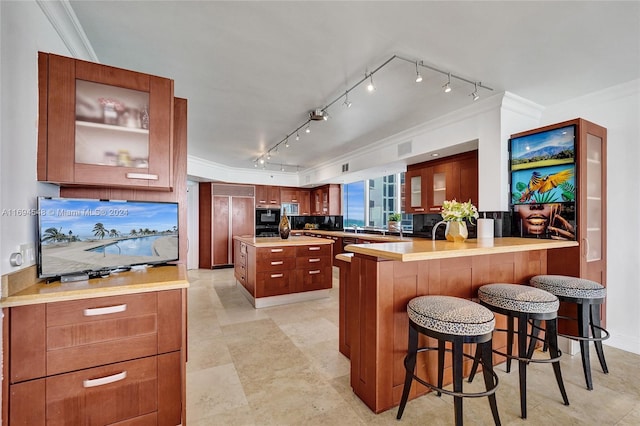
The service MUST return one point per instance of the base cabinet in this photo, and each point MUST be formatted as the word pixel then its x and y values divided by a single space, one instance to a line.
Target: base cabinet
pixel 132 373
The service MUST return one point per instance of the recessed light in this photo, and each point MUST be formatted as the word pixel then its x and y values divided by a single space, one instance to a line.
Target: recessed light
pixel 435 154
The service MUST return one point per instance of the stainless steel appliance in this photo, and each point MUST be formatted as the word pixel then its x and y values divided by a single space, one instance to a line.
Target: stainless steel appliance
pixel 267 221
pixel 292 209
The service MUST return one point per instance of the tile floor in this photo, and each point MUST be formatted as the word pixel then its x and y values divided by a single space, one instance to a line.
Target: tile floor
pixel 281 366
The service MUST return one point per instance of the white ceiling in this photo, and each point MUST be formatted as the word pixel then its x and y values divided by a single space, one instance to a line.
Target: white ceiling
pixel 252 71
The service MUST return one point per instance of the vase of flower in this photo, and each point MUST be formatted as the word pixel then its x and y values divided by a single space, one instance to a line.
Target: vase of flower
pixel 455 215
pixel 456 232
pixel 284 228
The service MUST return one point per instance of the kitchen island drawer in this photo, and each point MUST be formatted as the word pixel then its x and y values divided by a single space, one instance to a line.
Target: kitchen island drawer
pixel 274 283
pixel 314 250
pixel 314 278
pixel 313 262
pixel 275 252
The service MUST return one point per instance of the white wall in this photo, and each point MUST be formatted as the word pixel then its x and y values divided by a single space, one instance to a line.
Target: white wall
pixel 617 109
pixel 25 31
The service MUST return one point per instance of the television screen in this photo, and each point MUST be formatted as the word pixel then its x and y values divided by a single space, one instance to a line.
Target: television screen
pixel 83 235
pixel 548 148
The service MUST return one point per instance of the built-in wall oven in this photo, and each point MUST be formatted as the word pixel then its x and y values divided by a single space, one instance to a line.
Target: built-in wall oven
pixel 267 221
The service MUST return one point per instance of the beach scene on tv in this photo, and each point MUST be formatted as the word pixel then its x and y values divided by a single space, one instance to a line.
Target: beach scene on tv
pixel 87 235
pixel 549 148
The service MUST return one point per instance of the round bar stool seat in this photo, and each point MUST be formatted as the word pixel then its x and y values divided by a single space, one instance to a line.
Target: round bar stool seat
pixel 588 296
pixel 525 304
pixel 455 320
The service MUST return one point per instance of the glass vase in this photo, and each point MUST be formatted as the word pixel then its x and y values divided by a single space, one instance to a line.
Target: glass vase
pixel 284 228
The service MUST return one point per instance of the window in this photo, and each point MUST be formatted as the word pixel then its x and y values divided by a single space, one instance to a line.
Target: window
pixel 383 196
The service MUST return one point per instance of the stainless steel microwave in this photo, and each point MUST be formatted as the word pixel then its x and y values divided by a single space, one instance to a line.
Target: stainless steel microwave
pixel 292 209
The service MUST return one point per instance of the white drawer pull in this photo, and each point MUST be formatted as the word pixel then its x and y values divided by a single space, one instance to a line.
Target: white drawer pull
pixel 314 248
pixel 90 383
pixel 145 176
pixel 317 271
pixel 90 312
pixel 277 275
pixel 314 260
pixel 277 262
pixel 277 250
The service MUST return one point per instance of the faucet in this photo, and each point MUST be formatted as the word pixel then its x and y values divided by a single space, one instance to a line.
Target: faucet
pixel 433 230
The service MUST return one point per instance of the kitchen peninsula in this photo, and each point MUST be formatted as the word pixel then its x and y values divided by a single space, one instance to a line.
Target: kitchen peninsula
pixel 380 279
pixel 274 271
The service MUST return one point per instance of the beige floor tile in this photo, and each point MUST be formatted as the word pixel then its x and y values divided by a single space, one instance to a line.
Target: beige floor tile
pixel 281 366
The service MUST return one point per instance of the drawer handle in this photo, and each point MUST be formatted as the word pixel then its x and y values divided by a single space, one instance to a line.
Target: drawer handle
pixel 419 209
pixel 317 271
pixel 277 262
pixel 90 383
pixel 314 260
pixel 314 248
pixel 277 275
pixel 277 250
pixel 90 312
pixel 145 176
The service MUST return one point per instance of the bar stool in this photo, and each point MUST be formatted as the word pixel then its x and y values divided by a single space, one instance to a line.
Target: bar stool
pixel 588 296
pixel 455 320
pixel 524 303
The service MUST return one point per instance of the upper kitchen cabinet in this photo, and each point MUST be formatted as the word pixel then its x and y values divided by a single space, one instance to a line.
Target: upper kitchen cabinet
pixel 429 184
pixel 267 196
pixel 326 200
pixel 103 126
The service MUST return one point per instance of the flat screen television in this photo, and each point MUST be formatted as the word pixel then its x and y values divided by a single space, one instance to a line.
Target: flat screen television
pixel 78 236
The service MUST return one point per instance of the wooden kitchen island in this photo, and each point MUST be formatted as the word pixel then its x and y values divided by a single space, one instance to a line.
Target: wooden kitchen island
pixel 274 271
pixel 379 281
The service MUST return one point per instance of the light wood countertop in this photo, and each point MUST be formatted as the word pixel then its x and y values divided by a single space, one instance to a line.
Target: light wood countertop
pixel 135 281
pixel 296 240
pixel 422 249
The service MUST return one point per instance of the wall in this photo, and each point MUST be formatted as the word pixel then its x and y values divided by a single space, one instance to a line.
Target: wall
pixel 25 31
pixel 617 109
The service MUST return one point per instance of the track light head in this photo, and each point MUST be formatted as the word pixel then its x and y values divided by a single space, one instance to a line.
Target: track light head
pixel 346 102
pixel 418 76
pixel 308 129
pixel 255 164
pixel 371 87
pixel 286 143
pixel 475 94
pixel 269 155
pixel 261 160
pixel 297 136
pixel 447 88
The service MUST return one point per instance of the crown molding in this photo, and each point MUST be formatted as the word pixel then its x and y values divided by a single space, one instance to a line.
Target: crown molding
pixel 63 19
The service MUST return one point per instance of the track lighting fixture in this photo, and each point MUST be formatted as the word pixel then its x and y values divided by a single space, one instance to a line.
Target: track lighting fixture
pixel 475 92
pixel 447 86
pixel 321 114
pixel 281 168
pixel 255 164
pixel 371 87
pixel 418 76
pixel 346 102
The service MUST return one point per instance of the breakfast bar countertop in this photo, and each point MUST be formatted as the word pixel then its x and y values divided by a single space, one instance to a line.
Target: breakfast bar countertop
pixel 423 249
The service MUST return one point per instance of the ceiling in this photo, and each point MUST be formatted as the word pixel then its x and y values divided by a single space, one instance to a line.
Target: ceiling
pixel 252 71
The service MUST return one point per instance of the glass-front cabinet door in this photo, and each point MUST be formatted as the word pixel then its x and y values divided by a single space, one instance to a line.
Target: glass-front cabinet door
pixel 104 126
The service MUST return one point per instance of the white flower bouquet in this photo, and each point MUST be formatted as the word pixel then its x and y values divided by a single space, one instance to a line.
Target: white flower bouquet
pixel 454 211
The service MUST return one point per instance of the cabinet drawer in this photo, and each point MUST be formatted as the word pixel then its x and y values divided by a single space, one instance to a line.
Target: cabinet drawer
pixel 275 252
pixel 103 395
pixel 314 250
pixel 314 278
pixel 90 332
pixel 274 283
pixel 276 264
pixel 313 262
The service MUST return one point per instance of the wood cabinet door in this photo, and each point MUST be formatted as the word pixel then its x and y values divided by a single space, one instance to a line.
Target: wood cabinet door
pixel 289 195
pixel 68 131
pixel 242 218
pixel 415 191
pixel 305 202
pixel 467 172
pixel 221 230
